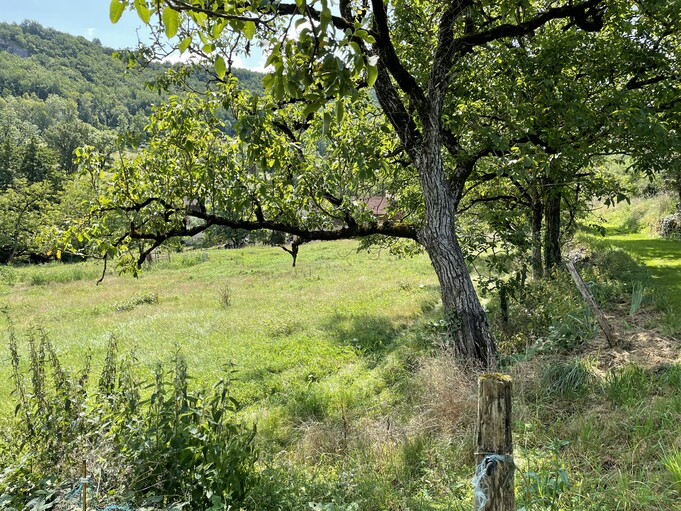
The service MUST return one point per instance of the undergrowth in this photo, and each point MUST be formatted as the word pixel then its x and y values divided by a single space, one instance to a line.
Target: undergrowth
pixel 160 443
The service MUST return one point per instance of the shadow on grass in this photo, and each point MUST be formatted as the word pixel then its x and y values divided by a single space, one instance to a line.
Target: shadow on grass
pixel 663 259
pixel 369 334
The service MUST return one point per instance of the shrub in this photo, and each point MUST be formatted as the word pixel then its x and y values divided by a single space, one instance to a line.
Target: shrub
pixel 552 310
pixel 176 446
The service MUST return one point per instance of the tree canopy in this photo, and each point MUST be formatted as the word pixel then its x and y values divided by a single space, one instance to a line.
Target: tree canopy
pixel 472 103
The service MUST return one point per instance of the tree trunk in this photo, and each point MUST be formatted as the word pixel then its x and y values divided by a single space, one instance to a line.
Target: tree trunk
pixel 552 256
pixel 467 323
pixel 537 218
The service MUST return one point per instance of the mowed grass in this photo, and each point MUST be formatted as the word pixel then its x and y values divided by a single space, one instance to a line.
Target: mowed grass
pixel 663 258
pixel 290 333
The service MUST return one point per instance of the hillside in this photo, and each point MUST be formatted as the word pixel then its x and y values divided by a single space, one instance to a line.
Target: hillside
pixel 39 62
pixel 60 92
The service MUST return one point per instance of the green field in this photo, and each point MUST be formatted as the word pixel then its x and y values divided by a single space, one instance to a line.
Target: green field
pixel 325 320
pixel 336 361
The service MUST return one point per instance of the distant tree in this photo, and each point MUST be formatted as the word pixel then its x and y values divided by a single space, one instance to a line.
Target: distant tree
pixel 37 162
pixel 24 210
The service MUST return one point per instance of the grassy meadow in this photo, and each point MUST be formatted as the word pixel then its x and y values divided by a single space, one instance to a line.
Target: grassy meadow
pixel 323 323
pixel 338 363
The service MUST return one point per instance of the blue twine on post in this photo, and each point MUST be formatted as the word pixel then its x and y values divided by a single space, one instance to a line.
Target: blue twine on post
pixel 76 492
pixel 483 471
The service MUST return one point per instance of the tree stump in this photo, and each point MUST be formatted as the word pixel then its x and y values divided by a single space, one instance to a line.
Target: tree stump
pixel 494 476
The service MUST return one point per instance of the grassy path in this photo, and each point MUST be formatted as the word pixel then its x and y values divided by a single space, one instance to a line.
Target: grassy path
pixel 663 258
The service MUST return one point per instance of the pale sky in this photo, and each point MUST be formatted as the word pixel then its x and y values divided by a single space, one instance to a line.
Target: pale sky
pixel 90 19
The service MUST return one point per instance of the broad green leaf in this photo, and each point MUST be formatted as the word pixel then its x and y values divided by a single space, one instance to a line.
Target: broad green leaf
pixel 171 21
pixel 220 67
pixel 116 9
pixel 372 74
pixel 143 11
pixel 249 30
pixel 184 44
pixel 218 28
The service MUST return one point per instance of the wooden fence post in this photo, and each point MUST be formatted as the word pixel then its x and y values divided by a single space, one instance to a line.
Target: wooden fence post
pixel 493 482
pixel 84 487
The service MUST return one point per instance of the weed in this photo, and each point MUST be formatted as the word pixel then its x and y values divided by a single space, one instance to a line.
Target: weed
pixel 627 385
pixel 179 445
pixel 225 296
pixel 135 301
pixel 672 462
pixel 575 328
pixel 670 376
pixel 636 297
pixel 671 322
pixel 570 379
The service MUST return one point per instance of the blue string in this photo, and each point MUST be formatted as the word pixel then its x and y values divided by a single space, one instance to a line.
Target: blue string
pixel 76 494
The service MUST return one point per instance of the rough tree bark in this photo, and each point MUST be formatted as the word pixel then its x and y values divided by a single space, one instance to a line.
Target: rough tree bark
pixel 537 218
pixel 469 332
pixel 552 257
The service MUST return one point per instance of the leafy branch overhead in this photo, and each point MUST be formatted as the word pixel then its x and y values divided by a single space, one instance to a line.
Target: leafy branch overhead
pixel 472 103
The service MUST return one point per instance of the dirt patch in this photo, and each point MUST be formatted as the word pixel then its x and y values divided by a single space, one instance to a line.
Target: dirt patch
pixel 638 344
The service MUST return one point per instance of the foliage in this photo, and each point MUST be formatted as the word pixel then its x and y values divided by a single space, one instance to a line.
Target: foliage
pixel 483 106
pixel 166 445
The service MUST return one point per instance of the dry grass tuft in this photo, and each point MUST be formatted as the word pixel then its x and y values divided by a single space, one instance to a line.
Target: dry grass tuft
pixel 447 396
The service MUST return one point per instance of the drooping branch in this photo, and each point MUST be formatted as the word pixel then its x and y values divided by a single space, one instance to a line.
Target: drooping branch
pixel 302 234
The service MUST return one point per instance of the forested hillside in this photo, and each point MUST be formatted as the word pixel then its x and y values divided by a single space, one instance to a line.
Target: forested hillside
pixel 60 92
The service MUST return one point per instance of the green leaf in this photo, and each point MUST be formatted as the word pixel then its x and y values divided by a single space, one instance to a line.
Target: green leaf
pixel 143 11
pixel 171 21
pixel 327 122
pixel 184 44
pixel 116 9
pixel 249 30
pixel 220 67
pixel 340 110
pixel 372 75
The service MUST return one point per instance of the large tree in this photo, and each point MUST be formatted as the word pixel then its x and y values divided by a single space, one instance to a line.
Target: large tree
pixel 306 156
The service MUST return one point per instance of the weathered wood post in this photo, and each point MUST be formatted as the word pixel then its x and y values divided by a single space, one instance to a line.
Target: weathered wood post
pixel 493 482
pixel 589 299
pixel 84 487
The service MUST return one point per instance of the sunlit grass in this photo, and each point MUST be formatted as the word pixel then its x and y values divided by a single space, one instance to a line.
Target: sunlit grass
pixel 333 310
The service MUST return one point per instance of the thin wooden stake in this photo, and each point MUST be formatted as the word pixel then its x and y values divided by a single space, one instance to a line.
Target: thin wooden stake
pixel 84 486
pixel 589 299
pixel 494 457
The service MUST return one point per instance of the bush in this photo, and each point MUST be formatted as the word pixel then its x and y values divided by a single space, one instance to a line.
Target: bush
pixel 174 446
pixel 550 313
